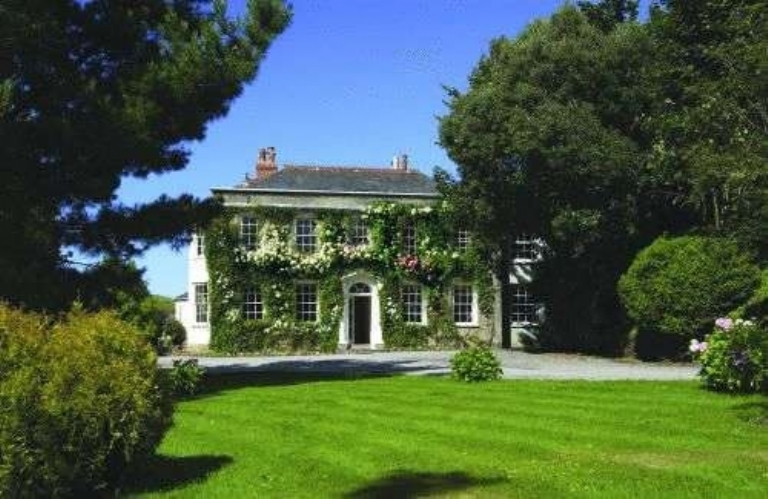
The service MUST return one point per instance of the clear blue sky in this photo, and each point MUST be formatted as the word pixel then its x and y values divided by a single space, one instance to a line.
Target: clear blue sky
pixel 349 82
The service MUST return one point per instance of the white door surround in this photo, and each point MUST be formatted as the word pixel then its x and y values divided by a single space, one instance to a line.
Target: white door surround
pixel 360 284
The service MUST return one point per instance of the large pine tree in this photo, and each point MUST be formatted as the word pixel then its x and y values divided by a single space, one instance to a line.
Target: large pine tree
pixel 95 91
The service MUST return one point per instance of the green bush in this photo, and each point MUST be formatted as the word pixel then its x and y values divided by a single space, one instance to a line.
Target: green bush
pixel 80 399
pixel 477 363
pixel 734 357
pixel 756 307
pixel 153 316
pixel 679 286
pixel 185 376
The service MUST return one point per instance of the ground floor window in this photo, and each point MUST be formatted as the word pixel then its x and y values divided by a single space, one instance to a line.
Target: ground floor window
pixel 410 296
pixel 463 304
pixel 306 301
pixel 253 304
pixel 201 302
pixel 523 307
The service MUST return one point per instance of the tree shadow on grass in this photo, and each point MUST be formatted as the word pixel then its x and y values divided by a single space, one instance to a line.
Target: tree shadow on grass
pixel 214 383
pixel 405 484
pixel 755 413
pixel 169 472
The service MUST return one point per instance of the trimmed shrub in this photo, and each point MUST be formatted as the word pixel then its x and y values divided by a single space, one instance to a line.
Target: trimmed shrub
pixel 185 376
pixel 80 399
pixel 734 357
pixel 679 286
pixel 477 363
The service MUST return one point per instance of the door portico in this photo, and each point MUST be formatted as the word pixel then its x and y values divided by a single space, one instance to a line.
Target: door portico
pixel 360 325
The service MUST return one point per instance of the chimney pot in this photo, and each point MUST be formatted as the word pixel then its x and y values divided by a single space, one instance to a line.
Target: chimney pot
pixel 266 165
pixel 400 162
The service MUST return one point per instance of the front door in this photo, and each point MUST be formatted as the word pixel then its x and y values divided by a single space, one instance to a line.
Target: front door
pixel 360 319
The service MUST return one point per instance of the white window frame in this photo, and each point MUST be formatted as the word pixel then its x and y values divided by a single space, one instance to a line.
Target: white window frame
pixel 249 232
pixel 526 248
pixel 253 304
pixel 300 312
pixel 359 233
pixel 305 242
pixel 409 239
pixel 199 245
pixel 472 303
pixel 201 302
pixel 518 308
pixel 463 239
pixel 404 304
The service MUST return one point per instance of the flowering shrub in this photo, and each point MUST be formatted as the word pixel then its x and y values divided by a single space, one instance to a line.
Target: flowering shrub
pixel 734 357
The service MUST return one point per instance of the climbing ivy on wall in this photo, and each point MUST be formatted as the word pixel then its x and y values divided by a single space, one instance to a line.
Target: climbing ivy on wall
pixel 275 266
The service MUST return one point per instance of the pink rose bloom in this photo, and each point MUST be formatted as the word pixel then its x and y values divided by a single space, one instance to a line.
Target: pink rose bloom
pixel 724 323
pixel 694 346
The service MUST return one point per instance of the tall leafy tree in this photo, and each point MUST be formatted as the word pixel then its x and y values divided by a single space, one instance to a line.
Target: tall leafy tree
pixel 710 119
pixel 548 141
pixel 607 14
pixel 92 92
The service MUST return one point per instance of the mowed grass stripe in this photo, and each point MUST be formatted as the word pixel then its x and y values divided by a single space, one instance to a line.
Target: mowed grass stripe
pixel 323 438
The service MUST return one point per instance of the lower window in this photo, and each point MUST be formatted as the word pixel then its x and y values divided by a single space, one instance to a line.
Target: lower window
pixel 306 302
pixel 410 296
pixel 523 307
pixel 463 304
pixel 253 305
pixel 201 302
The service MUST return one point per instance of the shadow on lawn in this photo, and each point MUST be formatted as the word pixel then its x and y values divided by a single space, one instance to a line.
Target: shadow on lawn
pixel 169 472
pixel 404 483
pixel 755 413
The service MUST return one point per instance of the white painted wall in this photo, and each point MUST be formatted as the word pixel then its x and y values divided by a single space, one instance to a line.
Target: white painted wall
pixel 198 334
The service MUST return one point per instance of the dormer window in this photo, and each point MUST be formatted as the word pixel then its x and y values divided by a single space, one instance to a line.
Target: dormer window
pixel 306 240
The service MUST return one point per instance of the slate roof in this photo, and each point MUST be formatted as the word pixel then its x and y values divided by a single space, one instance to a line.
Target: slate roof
pixel 346 180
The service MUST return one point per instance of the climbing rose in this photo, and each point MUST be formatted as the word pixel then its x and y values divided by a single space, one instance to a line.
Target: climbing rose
pixel 724 323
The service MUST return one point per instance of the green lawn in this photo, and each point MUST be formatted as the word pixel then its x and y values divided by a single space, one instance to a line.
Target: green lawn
pixel 269 436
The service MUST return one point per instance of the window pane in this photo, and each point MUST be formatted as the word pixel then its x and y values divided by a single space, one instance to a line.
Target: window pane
pixel 199 245
pixel 523 307
pixel 201 302
pixel 409 239
pixel 525 248
pixel 463 312
pixel 249 232
pixel 462 239
pixel 411 302
pixel 305 235
pixel 306 302
pixel 358 234
pixel 253 305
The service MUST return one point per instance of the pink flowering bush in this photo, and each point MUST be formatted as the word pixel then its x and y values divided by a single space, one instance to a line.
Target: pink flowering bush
pixel 734 357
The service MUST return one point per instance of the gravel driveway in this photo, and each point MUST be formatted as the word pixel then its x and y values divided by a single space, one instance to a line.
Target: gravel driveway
pixel 516 365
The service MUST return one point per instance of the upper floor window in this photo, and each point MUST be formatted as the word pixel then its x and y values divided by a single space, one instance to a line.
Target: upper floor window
pixel 306 301
pixel 523 305
pixel 409 238
pixel 306 240
pixel 526 247
pixel 201 302
pixel 463 238
pixel 358 234
pixel 199 245
pixel 463 304
pixel 249 232
pixel 410 296
pixel 253 304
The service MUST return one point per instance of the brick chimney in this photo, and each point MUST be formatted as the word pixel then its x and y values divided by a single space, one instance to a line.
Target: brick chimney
pixel 400 162
pixel 266 165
